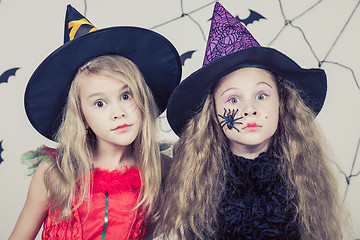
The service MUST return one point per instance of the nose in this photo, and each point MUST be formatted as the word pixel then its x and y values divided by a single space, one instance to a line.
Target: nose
pixel 118 111
pixel 249 110
pixel 251 113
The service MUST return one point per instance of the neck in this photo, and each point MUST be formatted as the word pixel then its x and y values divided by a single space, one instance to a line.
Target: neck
pixel 113 156
pixel 248 151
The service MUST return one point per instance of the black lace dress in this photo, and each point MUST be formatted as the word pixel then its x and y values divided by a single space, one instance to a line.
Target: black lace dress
pixel 255 204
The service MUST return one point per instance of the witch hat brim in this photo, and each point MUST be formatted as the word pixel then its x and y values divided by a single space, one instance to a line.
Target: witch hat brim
pixel 188 98
pixel 48 87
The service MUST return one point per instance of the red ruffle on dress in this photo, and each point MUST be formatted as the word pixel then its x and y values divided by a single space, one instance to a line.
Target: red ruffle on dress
pixel 112 214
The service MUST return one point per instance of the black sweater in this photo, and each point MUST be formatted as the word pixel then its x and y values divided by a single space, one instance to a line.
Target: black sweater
pixel 255 204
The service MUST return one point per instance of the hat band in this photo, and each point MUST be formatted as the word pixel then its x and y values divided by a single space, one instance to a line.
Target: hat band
pixel 76 24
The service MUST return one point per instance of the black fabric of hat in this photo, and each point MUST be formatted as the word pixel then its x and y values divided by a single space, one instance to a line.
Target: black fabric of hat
pixel 47 90
pixel 230 47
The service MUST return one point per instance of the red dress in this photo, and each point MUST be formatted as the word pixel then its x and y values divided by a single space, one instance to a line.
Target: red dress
pixel 111 215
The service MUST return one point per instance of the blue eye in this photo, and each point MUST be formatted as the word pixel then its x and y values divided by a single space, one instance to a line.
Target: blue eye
pixel 233 100
pixel 99 103
pixel 261 96
pixel 126 96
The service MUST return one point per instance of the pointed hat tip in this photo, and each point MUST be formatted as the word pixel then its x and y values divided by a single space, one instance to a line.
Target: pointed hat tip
pixel 76 25
pixel 227 35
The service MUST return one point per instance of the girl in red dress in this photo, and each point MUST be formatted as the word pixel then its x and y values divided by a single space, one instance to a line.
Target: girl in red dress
pixel 98 96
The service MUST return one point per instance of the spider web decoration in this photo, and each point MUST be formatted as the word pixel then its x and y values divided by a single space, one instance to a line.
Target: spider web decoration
pixel 290 22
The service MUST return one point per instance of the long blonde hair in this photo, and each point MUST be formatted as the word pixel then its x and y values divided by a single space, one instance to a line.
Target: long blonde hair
pixel 305 162
pixel 68 178
pixel 196 181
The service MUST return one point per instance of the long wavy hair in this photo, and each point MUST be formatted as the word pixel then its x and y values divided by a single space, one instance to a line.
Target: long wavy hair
pixel 68 178
pixel 196 181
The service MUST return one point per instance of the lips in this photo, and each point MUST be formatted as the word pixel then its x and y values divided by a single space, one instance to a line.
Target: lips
pixel 251 127
pixel 122 128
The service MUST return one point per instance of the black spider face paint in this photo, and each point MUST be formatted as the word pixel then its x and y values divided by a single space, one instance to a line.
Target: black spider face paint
pixel 229 119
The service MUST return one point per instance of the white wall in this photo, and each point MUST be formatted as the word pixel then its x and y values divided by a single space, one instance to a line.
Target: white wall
pixel 30 30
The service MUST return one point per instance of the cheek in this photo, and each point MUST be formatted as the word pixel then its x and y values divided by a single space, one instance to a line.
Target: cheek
pixel 133 107
pixel 219 106
pixel 136 110
pixel 220 110
pixel 272 117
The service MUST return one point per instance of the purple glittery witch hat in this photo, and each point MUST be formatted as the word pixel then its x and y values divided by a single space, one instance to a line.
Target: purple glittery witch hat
pixel 227 35
pixel 230 47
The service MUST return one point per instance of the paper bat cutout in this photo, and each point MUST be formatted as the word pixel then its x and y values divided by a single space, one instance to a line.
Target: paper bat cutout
pixel 185 56
pixel 5 76
pixel 1 150
pixel 254 16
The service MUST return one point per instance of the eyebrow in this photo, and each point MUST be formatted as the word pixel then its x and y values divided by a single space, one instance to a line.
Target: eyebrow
pixel 235 88
pixel 122 89
pixel 232 88
pixel 264 83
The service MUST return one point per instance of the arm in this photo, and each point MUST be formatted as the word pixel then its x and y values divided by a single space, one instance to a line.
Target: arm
pixel 35 208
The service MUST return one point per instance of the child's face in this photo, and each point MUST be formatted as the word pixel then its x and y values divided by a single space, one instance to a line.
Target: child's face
pixel 252 94
pixel 109 109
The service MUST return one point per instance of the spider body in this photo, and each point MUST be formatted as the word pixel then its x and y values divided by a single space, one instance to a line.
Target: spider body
pixel 229 119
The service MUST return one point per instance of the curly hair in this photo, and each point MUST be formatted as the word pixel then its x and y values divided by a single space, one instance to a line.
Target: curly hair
pixel 196 181
pixel 306 167
pixel 68 178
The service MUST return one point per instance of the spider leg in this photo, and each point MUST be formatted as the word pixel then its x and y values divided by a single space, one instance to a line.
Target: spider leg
pixel 222 124
pixel 237 123
pixel 233 112
pixel 223 117
pixel 238 119
pixel 236 128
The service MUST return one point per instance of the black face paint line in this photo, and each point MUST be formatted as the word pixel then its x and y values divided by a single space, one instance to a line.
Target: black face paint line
pixel 229 119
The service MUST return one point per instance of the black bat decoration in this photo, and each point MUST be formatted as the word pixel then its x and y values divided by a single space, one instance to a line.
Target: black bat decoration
pixel 254 16
pixel 1 150
pixel 185 56
pixel 5 76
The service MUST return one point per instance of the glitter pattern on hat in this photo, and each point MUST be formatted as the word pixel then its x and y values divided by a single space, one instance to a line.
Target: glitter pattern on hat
pixel 227 35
